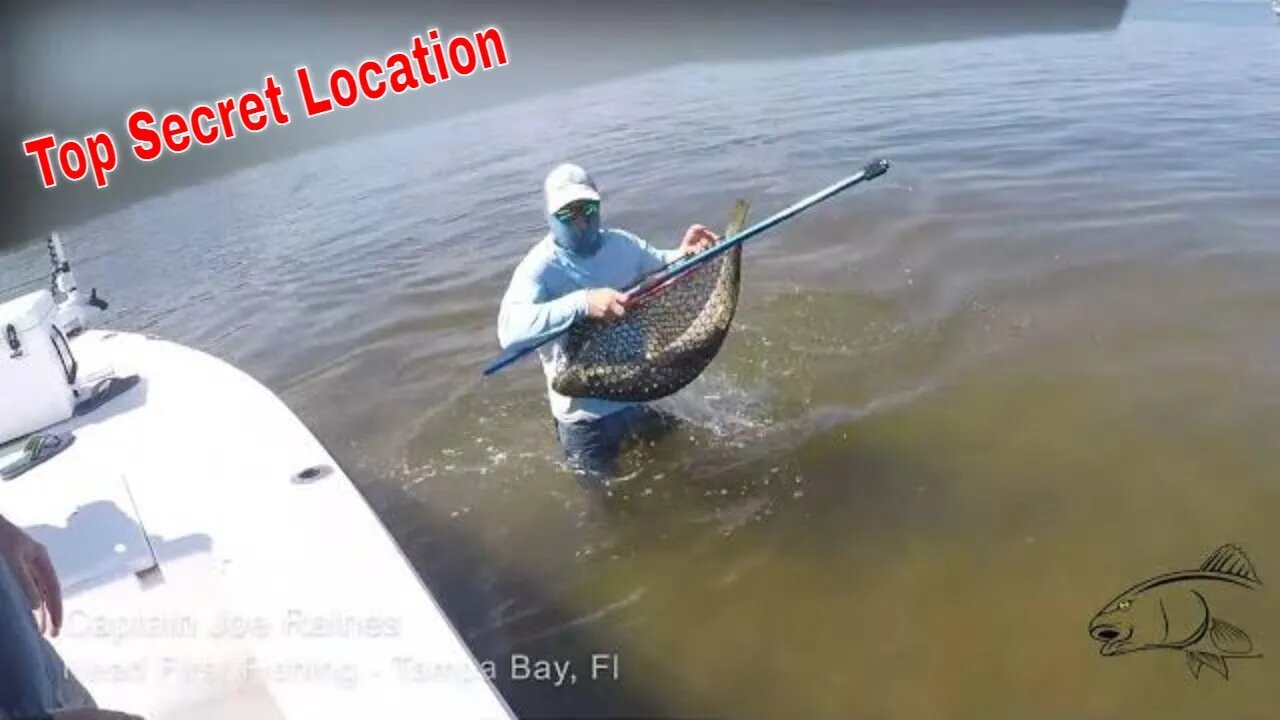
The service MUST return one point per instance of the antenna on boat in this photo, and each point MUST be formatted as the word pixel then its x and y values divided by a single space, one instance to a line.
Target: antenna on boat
pixel 66 292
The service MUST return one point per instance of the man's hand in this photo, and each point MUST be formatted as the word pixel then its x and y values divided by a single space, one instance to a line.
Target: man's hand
pixel 696 239
pixel 606 303
pixel 29 562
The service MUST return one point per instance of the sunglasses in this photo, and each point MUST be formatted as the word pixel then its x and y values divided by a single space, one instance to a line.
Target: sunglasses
pixel 585 208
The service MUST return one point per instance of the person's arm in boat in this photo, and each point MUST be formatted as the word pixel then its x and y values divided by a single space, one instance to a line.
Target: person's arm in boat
pixel 30 664
pixel 28 584
pixel 526 318
pixel 31 567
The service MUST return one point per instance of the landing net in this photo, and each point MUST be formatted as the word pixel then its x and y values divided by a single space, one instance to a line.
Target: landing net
pixel 666 339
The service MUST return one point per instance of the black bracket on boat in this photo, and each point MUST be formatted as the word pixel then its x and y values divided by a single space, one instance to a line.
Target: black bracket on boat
pixel 11 337
pixel 96 301
pixel 312 474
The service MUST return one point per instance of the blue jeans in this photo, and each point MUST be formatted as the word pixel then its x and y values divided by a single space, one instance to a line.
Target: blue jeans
pixel 34 681
pixel 593 446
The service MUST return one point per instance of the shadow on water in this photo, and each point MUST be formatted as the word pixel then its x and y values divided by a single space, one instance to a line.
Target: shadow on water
pixel 494 605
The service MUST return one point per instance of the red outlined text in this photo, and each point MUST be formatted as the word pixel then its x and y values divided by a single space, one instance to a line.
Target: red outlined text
pixel 205 124
pixel 425 63
pixel 97 153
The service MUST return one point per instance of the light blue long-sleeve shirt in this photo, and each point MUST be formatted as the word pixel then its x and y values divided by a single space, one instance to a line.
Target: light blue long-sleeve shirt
pixel 548 293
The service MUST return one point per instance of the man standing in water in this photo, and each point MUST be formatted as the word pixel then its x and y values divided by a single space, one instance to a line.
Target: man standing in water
pixel 570 274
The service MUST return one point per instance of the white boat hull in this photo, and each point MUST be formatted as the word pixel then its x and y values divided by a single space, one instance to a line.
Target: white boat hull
pixel 203 580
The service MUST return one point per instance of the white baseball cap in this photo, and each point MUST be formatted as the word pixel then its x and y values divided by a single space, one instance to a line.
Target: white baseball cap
pixel 566 183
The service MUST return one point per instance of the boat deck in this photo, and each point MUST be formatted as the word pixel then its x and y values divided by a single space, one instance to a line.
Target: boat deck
pixel 207 574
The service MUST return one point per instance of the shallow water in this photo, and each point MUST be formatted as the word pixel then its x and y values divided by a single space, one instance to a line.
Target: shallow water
pixel 962 407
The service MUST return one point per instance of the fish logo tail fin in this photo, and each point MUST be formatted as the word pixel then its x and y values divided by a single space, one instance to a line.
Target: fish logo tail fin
pixel 1197 660
pixel 1231 560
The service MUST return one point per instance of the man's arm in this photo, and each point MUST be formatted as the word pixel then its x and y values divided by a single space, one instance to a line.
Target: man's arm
pixel 648 257
pixel 696 238
pixel 33 570
pixel 525 318
pixel 32 668
pixel 27 583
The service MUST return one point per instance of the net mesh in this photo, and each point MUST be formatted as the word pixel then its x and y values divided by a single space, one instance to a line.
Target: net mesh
pixel 663 343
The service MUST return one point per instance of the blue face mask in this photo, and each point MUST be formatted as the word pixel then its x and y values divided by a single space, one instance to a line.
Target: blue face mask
pixel 580 240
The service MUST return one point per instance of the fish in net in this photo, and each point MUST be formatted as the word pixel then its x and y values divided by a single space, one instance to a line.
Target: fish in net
pixel 665 340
